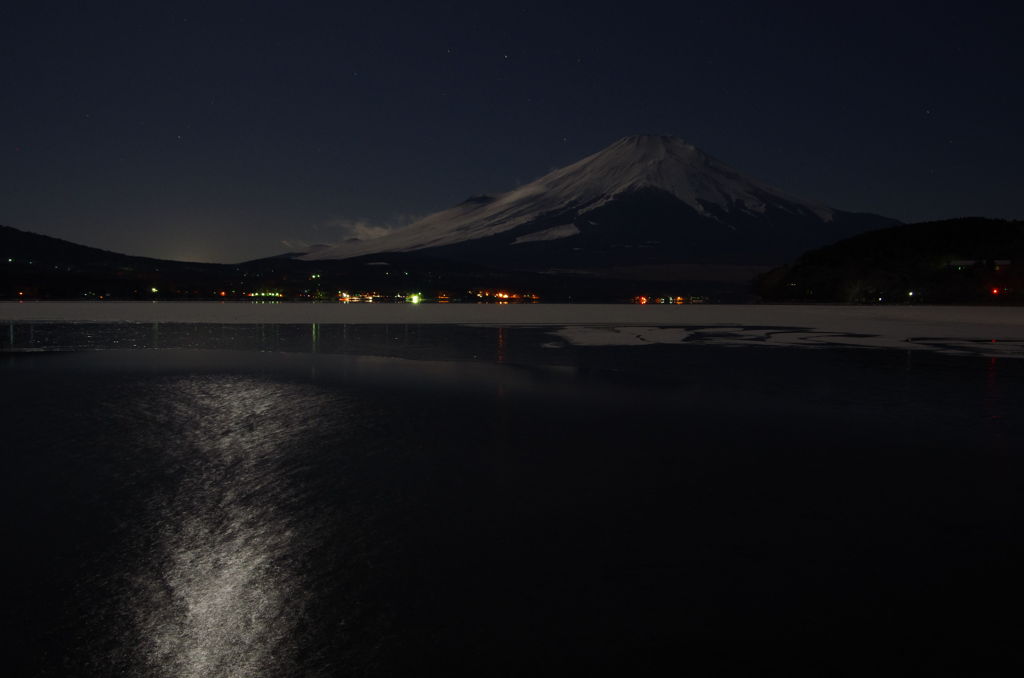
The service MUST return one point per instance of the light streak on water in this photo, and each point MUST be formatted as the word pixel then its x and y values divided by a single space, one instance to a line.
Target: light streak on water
pixel 223 598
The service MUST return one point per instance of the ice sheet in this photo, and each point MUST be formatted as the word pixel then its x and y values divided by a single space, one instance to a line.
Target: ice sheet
pixel 957 329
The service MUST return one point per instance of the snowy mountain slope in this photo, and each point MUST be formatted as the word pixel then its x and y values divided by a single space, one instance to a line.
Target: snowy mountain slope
pixel 680 197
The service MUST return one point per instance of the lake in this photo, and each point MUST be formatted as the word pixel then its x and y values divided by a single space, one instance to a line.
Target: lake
pixel 203 499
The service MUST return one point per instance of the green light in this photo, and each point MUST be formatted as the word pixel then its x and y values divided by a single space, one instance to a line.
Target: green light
pixel 153 290
pixel 415 298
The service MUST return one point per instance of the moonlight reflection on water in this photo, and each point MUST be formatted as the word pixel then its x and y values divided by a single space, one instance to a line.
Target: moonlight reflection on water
pixel 223 597
pixel 266 512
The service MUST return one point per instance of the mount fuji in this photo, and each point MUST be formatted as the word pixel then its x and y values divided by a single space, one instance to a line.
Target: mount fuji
pixel 644 202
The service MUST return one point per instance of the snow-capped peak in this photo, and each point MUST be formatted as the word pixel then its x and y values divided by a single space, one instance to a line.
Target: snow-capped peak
pixel 672 165
pixel 631 163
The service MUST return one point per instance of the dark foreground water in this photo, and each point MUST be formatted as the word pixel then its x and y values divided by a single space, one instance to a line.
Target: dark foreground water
pixel 513 510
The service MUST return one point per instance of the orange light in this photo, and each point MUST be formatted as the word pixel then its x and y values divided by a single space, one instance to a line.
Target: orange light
pixel 223 294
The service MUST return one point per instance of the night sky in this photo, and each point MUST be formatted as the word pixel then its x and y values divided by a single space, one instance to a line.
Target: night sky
pixel 245 130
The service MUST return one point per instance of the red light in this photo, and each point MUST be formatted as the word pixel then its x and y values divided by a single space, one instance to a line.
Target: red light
pixel 995 290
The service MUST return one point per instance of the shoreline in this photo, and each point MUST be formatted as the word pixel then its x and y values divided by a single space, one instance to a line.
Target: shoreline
pixel 839 317
pixel 963 330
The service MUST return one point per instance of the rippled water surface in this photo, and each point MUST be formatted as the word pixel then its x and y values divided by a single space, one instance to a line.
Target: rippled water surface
pixel 509 510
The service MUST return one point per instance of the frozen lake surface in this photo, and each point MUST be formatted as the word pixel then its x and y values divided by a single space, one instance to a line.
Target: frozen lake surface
pixel 559 497
pixel 992 331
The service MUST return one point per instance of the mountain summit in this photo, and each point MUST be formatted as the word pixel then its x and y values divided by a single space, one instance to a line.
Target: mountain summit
pixel 643 200
pixel 671 165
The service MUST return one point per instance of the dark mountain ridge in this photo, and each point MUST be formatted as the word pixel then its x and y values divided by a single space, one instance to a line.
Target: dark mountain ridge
pixel 34 266
pixel 966 260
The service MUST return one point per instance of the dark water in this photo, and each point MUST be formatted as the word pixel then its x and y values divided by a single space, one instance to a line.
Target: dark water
pixel 511 511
